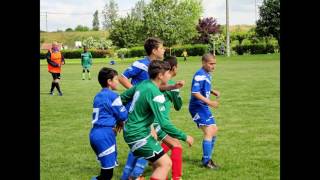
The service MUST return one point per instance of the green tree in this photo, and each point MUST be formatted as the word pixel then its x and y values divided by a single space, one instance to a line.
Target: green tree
pixel 127 32
pixel 95 21
pixel 110 14
pixel 171 20
pixel 69 30
pixel 81 28
pixel 269 22
pixel 137 11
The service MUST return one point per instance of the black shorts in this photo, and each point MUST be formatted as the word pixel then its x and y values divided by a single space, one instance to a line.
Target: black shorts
pixel 156 157
pixel 55 75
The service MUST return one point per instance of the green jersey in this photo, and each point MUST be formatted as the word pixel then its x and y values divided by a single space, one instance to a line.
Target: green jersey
pixel 173 97
pixel 148 106
pixel 86 59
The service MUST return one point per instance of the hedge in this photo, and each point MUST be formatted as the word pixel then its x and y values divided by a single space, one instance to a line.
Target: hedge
pixel 255 48
pixel 76 54
pixel 193 50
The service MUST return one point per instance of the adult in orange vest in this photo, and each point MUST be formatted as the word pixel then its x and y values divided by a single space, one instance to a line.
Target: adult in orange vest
pixel 55 60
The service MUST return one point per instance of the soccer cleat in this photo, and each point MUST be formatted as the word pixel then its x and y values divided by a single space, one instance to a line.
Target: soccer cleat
pixel 211 165
pixel 94 178
pixel 60 94
pixel 51 93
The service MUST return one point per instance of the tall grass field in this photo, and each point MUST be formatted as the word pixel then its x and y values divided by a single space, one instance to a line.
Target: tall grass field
pixel 248 119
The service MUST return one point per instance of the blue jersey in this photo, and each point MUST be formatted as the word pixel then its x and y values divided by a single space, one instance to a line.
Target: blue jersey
pixel 201 83
pixel 108 109
pixel 138 71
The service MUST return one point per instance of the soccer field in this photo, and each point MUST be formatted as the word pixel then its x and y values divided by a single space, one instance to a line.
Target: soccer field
pixel 248 118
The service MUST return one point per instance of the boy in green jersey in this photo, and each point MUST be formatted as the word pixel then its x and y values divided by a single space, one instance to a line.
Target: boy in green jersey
pixel 86 62
pixel 148 106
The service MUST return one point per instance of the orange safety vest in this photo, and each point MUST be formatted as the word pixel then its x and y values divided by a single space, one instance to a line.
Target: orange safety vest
pixel 57 58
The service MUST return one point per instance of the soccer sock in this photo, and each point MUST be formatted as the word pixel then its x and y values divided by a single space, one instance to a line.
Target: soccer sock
pixel 206 149
pixel 58 87
pixel 131 161
pixel 83 75
pixel 139 168
pixel 165 147
pixel 176 157
pixel 105 174
pixel 151 178
pixel 53 84
pixel 89 75
pixel 213 142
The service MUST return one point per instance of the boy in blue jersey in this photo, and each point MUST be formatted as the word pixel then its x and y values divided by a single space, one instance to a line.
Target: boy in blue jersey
pixel 138 72
pixel 107 119
pixel 199 107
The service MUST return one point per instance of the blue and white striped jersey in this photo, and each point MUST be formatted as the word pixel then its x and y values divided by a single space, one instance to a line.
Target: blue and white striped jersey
pixel 138 71
pixel 108 109
pixel 201 83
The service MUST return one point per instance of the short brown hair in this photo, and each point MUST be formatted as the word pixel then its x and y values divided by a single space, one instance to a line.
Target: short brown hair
pixel 156 67
pixel 152 43
pixel 205 57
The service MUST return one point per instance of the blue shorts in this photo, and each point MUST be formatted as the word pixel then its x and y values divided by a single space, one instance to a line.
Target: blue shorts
pixel 103 143
pixel 202 116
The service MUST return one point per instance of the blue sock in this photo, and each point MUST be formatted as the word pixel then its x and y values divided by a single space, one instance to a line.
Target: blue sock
pixel 139 167
pixel 131 161
pixel 213 142
pixel 206 149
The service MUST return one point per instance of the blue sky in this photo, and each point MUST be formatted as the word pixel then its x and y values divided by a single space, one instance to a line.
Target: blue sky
pixel 62 14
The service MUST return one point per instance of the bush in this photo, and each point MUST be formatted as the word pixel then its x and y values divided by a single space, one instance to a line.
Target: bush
pixel 255 48
pixel 193 50
pixel 137 52
pixel 76 54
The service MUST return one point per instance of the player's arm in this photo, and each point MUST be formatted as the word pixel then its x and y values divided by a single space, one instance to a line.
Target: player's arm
pixel 215 93
pixel 199 96
pixel 62 59
pixel 124 81
pixel 127 95
pixel 175 98
pixel 157 106
pixel 169 87
pixel 120 113
pixel 90 60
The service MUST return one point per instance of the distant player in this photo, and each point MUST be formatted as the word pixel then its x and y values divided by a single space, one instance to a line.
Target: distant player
pixel 146 108
pixel 108 116
pixel 86 62
pixel 55 60
pixel 199 108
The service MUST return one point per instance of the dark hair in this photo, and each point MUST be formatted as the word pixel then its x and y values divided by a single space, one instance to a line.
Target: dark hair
pixel 172 60
pixel 105 74
pixel 205 57
pixel 156 67
pixel 152 43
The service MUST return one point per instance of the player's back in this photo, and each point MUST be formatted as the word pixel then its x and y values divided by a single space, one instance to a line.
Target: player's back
pixel 141 115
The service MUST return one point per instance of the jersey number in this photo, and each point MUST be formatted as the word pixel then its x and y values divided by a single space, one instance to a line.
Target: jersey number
pixel 95 115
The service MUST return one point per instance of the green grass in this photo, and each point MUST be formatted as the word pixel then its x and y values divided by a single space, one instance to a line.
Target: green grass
pixel 248 142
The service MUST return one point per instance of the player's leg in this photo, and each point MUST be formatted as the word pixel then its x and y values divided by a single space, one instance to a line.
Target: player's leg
pixel 150 149
pixel 209 132
pixel 53 84
pixel 57 83
pixel 176 156
pixel 83 74
pixel 89 75
pixel 103 142
pixel 131 161
pixel 139 168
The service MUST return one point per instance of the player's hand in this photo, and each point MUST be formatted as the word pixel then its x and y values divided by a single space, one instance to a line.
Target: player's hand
pixel 154 133
pixel 189 140
pixel 119 127
pixel 214 104
pixel 179 84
